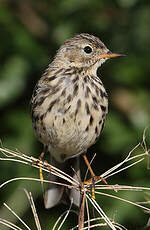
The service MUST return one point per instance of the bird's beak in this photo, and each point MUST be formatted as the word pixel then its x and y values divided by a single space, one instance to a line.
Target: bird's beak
pixel 110 55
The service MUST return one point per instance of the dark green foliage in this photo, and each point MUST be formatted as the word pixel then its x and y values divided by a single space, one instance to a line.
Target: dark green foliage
pixel 30 33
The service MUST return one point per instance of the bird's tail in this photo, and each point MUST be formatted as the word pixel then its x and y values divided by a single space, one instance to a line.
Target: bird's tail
pixel 56 194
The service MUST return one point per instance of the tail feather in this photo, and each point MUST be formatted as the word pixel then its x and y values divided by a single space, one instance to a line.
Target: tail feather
pixel 56 194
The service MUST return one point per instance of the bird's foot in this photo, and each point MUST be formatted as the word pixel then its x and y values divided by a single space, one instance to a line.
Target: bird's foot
pixel 91 183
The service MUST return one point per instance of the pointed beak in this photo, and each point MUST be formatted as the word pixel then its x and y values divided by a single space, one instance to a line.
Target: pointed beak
pixel 110 55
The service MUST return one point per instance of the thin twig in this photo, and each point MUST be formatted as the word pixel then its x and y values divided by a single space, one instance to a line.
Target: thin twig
pixel 9 224
pixel 81 211
pixel 101 212
pixel 30 198
pixel 17 216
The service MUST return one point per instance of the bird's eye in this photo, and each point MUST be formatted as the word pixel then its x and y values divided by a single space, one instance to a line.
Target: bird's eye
pixel 87 49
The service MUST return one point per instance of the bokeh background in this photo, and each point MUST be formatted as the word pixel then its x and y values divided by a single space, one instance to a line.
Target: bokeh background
pixel 30 33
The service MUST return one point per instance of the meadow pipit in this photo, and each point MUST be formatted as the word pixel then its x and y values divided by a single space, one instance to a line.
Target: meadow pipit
pixel 69 107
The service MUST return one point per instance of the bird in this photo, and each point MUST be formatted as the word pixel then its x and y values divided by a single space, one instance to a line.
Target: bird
pixel 69 107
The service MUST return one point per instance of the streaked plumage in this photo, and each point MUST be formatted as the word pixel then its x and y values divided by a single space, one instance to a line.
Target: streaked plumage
pixel 69 105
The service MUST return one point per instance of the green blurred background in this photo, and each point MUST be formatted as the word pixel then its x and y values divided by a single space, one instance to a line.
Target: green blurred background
pixel 30 33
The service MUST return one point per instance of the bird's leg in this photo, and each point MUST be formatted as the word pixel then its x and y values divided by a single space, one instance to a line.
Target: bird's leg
pixel 41 158
pixel 88 165
pixel 92 175
pixel 94 178
pixel 37 163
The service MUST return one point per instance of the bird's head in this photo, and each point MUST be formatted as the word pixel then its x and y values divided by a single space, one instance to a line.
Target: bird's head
pixel 84 51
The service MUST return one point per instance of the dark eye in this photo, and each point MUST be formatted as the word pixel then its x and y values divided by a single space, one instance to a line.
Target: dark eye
pixel 87 49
